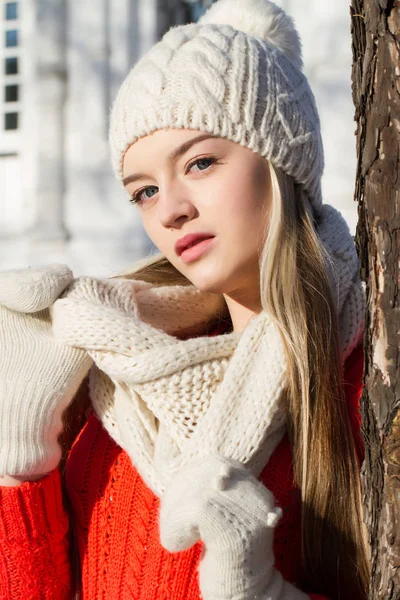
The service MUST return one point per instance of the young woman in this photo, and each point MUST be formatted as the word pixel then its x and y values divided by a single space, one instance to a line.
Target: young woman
pixel 215 443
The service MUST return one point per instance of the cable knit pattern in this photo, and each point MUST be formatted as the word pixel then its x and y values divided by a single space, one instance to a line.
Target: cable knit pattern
pixel 231 83
pixel 166 400
pixel 343 268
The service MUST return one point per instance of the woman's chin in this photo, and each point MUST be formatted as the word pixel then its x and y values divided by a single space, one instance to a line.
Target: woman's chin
pixel 211 284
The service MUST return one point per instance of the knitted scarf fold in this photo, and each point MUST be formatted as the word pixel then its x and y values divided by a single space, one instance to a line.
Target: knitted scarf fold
pixel 167 400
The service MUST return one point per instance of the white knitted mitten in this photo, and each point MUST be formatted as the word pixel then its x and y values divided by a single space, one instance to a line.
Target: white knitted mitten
pixel 220 502
pixel 38 375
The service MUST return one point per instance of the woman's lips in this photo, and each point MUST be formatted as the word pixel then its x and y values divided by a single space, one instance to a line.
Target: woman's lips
pixel 194 252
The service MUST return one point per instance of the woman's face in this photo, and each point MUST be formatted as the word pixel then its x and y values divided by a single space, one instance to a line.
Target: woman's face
pixel 187 182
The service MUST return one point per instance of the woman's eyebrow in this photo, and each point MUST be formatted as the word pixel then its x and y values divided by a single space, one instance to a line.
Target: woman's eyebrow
pixel 179 151
pixel 187 145
pixel 133 177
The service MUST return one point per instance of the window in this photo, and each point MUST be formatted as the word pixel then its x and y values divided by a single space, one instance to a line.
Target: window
pixel 11 66
pixel 197 8
pixel 10 121
pixel 11 93
pixel 11 38
pixel 11 11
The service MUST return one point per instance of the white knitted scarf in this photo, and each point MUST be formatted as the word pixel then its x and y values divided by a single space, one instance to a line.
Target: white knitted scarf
pixel 167 400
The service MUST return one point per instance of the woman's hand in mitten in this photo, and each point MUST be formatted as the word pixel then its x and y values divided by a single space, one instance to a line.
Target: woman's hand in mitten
pixel 38 375
pixel 218 501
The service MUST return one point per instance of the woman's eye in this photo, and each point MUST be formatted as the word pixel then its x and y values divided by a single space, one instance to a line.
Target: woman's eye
pixel 203 164
pixel 144 194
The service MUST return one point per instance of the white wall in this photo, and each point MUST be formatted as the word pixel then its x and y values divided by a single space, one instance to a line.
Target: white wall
pixel 11 202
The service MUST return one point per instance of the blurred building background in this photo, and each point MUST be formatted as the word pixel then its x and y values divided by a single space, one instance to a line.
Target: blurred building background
pixel 61 63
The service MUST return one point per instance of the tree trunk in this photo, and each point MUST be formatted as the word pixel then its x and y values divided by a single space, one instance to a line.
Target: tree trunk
pixel 376 95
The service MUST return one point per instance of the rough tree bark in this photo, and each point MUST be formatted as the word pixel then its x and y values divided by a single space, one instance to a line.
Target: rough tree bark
pixel 376 95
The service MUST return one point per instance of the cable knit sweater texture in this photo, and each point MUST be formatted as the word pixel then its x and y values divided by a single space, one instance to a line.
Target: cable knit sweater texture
pixel 114 517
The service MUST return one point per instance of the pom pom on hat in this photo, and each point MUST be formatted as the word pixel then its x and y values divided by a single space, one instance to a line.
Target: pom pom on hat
pixel 259 18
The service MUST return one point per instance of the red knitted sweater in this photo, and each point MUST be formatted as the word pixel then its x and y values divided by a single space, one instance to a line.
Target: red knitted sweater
pixel 114 517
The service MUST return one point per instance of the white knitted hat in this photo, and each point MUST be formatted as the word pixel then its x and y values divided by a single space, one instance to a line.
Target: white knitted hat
pixel 236 74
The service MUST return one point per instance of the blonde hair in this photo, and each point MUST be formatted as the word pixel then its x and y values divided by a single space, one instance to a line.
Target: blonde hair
pixel 296 292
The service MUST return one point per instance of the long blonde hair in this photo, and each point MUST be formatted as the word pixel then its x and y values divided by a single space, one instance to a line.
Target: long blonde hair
pixel 296 292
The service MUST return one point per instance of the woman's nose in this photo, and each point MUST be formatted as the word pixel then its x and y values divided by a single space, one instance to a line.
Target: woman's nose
pixel 175 206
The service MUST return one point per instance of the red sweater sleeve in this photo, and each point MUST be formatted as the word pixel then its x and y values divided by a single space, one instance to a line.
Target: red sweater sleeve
pixel 34 547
